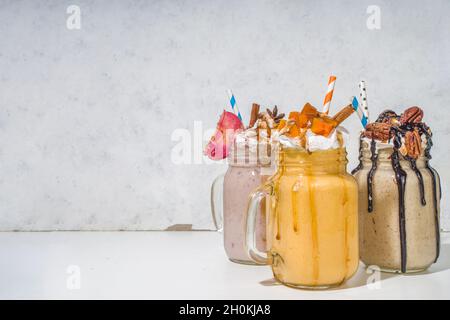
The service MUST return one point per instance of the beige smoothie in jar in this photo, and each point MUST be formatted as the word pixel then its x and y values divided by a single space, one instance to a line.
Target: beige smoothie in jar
pixel 399 194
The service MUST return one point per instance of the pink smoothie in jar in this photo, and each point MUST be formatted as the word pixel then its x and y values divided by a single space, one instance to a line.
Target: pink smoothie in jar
pixel 249 166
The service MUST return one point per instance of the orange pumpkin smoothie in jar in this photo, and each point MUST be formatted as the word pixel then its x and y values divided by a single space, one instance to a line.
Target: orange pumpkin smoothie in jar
pixel 312 213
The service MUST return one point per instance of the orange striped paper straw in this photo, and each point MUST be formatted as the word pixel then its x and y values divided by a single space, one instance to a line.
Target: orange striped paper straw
pixel 329 95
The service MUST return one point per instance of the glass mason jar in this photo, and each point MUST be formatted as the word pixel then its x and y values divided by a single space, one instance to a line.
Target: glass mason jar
pixel 247 169
pixel 399 224
pixel 312 219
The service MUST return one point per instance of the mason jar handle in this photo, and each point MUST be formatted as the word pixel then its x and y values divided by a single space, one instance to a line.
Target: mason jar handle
pixel 217 209
pixel 252 213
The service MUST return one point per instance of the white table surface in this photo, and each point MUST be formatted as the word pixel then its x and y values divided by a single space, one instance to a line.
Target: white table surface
pixel 172 265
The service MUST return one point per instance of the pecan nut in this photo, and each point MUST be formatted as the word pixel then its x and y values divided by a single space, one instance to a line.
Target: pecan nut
pixel 378 131
pixel 387 116
pixel 412 115
pixel 413 144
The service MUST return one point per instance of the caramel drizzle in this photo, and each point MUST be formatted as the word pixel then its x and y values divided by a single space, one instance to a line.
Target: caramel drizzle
pixel 294 197
pixel 277 211
pixel 347 251
pixel 277 218
pixel 314 233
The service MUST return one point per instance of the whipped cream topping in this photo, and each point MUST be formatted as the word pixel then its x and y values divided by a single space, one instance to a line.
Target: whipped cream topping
pixel 314 142
pixel 289 142
pixel 249 139
pixel 251 148
pixel 379 144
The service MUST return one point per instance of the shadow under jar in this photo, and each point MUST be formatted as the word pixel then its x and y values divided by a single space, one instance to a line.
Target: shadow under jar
pixel 247 170
pixel 398 209
pixel 312 214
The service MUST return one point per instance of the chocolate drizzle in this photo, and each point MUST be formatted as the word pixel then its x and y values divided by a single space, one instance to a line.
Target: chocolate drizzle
pixel 433 174
pixel 360 157
pixel 386 116
pixel 413 165
pixel 374 159
pixel 400 177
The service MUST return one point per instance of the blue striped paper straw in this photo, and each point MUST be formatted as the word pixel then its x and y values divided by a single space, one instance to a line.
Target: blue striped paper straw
pixel 360 112
pixel 233 104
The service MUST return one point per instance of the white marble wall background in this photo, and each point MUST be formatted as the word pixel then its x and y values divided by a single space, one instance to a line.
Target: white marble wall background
pixel 86 116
